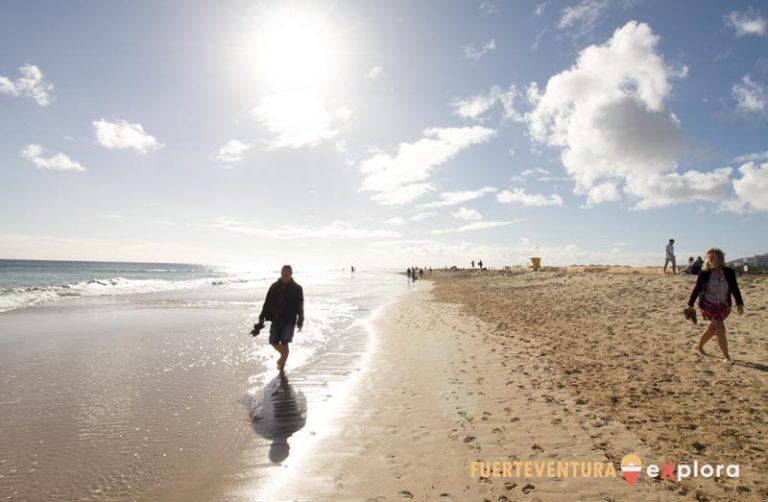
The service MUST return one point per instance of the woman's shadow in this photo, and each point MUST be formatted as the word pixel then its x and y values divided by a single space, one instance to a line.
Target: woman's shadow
pixel 281 412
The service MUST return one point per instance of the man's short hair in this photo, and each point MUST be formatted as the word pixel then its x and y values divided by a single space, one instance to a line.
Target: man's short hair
pixel 287 267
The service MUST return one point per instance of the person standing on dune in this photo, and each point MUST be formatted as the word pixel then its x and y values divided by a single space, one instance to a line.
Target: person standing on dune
pixel 669 256
pixel 284 307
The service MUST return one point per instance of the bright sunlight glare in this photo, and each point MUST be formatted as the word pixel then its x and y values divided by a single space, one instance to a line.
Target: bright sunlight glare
pixel 296 49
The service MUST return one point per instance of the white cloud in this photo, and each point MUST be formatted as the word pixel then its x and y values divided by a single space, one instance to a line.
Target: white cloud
pixel 425 215
pixel 402 194
pixel 400 178
pixel 527 173
pixel 467 214
pixel 336 229
pixel 583 16
pixel 121 134
pixel 748 22
pixel 655 190
pixel 374 72
pixel 752 187
pixel 455 198
pixel 477 225
pixel 57 162
pixel 751 96
pixel 525 241
pixel 471 52
pixel 232 152
pixel 752 157
pixel 397 221
pixel 602 192
pixel 297 119
pixel 29 84
pixel 540 9
pixel 519 196
pixel 475 107
pixel 488 8
pixel 607 116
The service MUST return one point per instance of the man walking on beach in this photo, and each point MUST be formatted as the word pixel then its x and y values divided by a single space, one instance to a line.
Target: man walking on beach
pixel 670 256
pixel 284 306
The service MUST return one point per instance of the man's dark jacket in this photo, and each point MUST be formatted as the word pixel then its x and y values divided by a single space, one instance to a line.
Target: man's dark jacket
pixel 730 278
pixel 284 303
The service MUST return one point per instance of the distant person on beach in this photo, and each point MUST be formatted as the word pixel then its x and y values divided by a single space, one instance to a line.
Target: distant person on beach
pixel 698 264
pixel 473 263
pixel 687 269
pixel 480 264
pixel 408 272
pixel 284 307
pixel 421 273
pixel 715 285
pixel 669 256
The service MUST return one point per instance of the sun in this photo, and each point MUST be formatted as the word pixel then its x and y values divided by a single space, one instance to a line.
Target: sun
pixel 296 49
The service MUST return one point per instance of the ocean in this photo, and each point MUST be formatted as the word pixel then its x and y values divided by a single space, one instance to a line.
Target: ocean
pixel 123 381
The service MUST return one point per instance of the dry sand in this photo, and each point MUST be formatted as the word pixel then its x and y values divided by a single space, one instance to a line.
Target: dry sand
pixel 619 345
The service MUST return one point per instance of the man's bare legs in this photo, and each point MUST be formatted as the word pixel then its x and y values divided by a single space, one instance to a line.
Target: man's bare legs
pixel 283 349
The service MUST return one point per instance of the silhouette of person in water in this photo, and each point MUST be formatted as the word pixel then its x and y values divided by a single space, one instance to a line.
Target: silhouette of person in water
pixel 281 413
pixel 284 306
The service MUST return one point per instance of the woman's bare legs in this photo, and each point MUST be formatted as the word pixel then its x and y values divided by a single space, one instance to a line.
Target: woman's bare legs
pixel 721 340
pixel 708 333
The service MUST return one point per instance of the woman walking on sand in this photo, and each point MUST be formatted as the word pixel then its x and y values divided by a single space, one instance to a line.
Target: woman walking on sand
pixel 715 285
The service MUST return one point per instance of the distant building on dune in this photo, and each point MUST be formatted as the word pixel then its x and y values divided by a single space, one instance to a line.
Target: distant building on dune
pixel 757 262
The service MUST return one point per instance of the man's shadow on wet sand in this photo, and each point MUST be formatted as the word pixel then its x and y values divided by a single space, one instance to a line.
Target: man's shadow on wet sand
pixel 281 412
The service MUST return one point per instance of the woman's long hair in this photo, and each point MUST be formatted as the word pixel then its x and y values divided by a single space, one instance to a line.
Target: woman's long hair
pixel 713 251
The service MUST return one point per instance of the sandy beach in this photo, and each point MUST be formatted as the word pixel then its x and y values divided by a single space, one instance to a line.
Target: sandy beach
pixel 543 367
pixel 461 369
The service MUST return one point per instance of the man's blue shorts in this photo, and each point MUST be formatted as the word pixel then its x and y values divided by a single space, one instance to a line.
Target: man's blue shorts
pixel 281 333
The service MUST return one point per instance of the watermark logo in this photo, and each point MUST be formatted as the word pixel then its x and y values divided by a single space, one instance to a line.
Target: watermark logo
pixel 631 469
pixel 631 465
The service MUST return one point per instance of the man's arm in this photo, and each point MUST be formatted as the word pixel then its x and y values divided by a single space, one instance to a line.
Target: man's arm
pixel 267 303
pixel 300 322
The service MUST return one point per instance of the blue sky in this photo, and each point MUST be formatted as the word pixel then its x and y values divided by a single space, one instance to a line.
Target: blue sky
pixel 383 133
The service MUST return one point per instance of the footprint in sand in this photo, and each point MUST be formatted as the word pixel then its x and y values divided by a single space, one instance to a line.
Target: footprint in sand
pixel 528 488
pixel 391 429
pixel 405 494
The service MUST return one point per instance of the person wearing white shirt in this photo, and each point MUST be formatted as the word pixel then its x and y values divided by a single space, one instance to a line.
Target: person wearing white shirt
pixel 670 256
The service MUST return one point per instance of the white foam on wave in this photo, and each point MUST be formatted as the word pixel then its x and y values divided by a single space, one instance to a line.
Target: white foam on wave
pixel 21 297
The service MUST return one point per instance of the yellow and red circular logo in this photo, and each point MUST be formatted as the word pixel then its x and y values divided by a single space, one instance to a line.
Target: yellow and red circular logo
pixel 630 467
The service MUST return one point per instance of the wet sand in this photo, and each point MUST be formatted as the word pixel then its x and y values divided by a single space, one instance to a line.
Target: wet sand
pixel 166 396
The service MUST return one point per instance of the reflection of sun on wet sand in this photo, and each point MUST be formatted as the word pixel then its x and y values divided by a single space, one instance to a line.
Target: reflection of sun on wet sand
pixel 545 367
